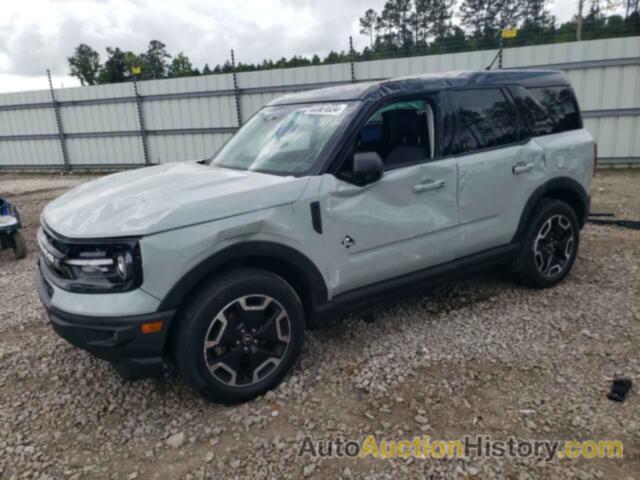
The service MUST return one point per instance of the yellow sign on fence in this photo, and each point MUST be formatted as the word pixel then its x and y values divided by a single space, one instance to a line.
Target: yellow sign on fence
pixel 136 70
pixel 509 32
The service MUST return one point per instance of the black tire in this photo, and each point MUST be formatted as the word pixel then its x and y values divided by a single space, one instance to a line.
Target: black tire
pixel 19 244
pixel 530 266
pixel 227 297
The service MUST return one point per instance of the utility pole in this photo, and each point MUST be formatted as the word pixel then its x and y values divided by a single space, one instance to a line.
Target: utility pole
pixel 579 20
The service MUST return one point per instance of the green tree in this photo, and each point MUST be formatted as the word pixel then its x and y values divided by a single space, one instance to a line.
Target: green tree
pixel 508 12
pixel 432 19
pixel 154 60
pixel 473 15
pixel 440 15
pixel 180 66
pixel 536 13
pixel 484 18
pixel 206 70
pixel 85 64
pixel 335 57
pixel 397 19
pixel 368 24
pixel 421 20
pixel 115 68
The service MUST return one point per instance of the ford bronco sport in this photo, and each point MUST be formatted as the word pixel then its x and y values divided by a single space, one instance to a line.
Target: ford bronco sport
pixel 321 202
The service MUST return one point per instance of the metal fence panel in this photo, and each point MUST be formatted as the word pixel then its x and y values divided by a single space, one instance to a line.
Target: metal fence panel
pixel 27 122
pixel 33 153
pixel 21 98
pixel 190 113
pixel 204 83
pixel 176 148
pixel 617 137
pixel 570 52
pixel 112 117
pixel 394 67
pixel 295 76
pixel 105 151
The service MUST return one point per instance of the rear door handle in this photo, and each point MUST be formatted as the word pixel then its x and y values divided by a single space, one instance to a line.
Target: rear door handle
pixel 428 185
pixel 522 167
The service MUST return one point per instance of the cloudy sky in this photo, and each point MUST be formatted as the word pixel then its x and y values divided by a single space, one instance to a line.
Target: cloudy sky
pixel 40 34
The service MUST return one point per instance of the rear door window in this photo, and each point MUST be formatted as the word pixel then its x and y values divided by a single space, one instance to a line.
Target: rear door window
pixel 484 118
pixel 561 106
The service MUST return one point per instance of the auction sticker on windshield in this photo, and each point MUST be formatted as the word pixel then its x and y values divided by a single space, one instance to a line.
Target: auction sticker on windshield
pixel 326 109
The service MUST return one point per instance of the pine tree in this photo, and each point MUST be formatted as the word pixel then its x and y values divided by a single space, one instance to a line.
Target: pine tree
pixel 368 24
pixel 154 60
pixel 397 18
pixel 474 15
pixel 115 69
pixel 440 15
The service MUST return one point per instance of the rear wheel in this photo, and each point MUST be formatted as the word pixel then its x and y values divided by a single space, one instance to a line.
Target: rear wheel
pixel 549 246
pixel 239 336
pixel 19 244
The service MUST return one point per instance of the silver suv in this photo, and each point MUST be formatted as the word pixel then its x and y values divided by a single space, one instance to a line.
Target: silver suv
pixel 322 202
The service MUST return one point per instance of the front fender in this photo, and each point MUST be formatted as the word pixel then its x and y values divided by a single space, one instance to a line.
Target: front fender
pixel 287 257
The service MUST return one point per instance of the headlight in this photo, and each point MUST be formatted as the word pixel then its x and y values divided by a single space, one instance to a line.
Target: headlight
pixel 107 267
pixel 92 267
pixel 124 265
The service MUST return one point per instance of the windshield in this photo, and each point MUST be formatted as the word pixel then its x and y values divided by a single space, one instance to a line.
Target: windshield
pixel 284 140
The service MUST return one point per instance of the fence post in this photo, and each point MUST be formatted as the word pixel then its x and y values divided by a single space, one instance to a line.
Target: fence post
pixel 56 112
pixel 352 54
pixel 143 131
pixel 236 90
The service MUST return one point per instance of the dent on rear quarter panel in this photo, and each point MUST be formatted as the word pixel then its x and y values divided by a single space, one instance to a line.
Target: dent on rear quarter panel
pixel 570 154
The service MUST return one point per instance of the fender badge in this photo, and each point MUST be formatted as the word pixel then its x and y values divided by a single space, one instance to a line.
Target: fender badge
pixel 348 242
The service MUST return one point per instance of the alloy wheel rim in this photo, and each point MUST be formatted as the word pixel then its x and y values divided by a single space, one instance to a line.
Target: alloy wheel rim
pixel 554 245
pixel 247 340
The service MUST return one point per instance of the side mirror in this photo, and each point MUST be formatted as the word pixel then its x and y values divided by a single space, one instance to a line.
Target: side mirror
pixel 367 167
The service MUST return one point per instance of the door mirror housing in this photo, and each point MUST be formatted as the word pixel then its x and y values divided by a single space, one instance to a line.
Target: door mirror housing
pixel 367 167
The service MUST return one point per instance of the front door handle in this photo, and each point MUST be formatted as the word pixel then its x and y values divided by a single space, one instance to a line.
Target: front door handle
pixel 428 185
pixel 522 167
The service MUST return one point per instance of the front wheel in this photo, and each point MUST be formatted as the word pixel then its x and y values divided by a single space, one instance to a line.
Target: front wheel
pixel 549 246
pixel 239 336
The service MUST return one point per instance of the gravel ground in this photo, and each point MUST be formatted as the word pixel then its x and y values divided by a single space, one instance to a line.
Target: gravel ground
pixel 480 356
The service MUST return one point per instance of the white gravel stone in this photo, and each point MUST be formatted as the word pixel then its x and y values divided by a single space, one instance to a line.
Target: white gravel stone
pixel 177 440
pixel 478 356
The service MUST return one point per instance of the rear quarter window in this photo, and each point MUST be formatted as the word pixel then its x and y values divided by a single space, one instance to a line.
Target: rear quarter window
pixel 559 103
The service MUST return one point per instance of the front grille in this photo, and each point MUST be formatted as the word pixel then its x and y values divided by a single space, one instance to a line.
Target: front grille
pixel 53 251
pixel 47 285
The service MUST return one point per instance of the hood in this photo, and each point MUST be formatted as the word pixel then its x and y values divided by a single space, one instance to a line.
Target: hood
pixel 154 199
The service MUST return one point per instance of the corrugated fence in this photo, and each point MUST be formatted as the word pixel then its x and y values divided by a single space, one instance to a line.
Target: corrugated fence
pixel 127 125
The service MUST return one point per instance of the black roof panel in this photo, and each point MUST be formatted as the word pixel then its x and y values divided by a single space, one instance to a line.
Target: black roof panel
pixel 421 83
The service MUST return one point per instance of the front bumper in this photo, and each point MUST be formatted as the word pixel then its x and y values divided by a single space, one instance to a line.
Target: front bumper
pixel 119 340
